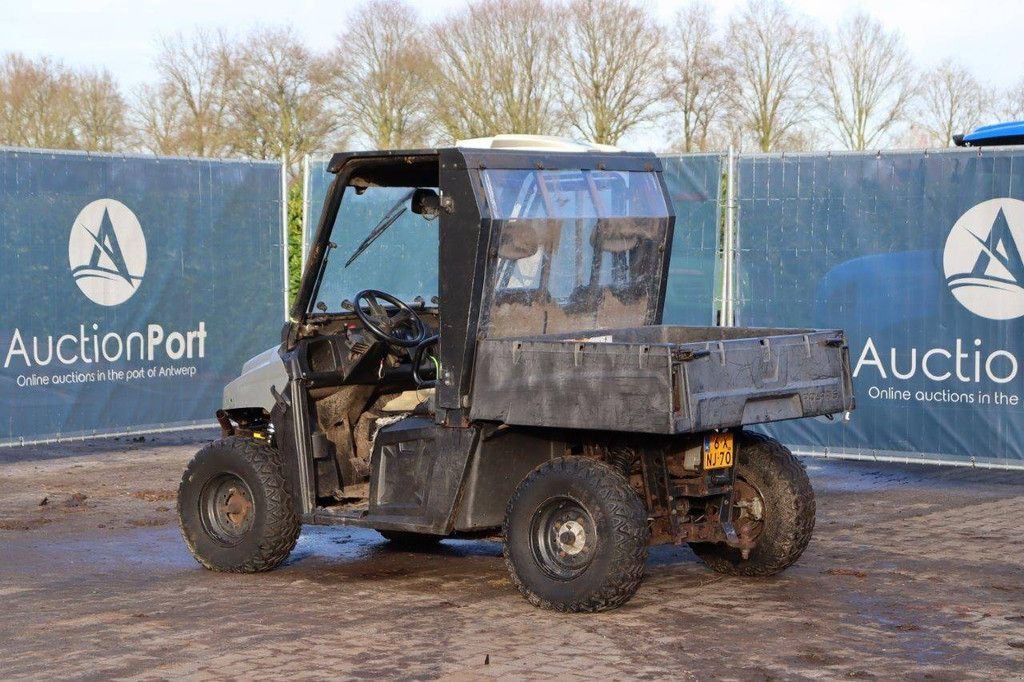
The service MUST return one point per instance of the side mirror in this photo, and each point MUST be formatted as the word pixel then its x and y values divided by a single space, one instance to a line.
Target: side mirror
pixel 426 202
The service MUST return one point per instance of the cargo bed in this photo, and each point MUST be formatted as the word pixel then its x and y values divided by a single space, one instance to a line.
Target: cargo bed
pixel 662 379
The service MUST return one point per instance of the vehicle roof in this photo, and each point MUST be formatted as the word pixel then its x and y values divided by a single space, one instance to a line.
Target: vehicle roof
pixel 527 158
pixel 339 159
pixel 1011 132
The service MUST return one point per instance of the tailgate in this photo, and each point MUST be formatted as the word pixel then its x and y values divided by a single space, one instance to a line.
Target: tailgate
pixel 735 382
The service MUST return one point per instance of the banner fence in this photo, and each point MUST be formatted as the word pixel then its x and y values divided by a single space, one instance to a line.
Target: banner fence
pixel 315 183
pixel 694 292
pixel 138 286
pixel 917 256
pixel 135 288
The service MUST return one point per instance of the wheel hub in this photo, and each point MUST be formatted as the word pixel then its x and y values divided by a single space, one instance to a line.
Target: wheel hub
pixel 236 507
pixel 227 509
pixel 749 510
pixel 572 538
pixel 563 538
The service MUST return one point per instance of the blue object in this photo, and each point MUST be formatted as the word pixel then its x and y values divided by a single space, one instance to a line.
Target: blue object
pixel 133 288
pixel 879 245
pixel 991 135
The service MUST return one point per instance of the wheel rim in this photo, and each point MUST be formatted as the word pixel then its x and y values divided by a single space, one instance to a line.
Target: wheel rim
pixel 563 538
pixel 227 509
pixel 749 510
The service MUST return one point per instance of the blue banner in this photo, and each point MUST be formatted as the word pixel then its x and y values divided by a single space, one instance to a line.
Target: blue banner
pixel 134 288
pixel 918 257
pixel 694 183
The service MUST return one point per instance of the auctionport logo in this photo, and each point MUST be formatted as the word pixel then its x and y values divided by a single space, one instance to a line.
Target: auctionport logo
pixel 982 259
pixel 107 252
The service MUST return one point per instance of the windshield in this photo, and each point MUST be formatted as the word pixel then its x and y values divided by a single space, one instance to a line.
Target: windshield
pixel 577 250
pixel 381 244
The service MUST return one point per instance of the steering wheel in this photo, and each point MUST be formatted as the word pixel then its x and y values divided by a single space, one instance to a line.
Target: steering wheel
pixel 387 326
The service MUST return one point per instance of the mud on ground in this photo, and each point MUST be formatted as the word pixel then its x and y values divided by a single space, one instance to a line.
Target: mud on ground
pixel 913 572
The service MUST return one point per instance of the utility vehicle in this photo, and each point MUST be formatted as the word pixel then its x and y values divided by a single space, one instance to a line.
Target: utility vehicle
pixel 476 348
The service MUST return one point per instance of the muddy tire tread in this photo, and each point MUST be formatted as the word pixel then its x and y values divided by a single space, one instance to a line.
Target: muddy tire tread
pixel 797 513
pixel 281 528
pixel 621 458
pixel 628 517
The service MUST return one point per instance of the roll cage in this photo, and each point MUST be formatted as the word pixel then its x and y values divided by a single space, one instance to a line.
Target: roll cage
pixel 468 238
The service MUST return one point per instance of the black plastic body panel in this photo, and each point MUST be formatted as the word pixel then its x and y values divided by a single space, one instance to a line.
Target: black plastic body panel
pixel 464 238
pixel 291 418
pixel 416 474
pixel 662 379
pixel 502 460
pixel 403 461
pixel 285 441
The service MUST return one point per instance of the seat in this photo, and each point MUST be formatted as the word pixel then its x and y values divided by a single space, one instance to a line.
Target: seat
pixel 408 401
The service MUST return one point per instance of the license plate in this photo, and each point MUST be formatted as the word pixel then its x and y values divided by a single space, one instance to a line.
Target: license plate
pixel 718 451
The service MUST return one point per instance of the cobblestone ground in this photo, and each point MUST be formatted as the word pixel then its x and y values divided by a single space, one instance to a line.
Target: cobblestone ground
pixel 913 572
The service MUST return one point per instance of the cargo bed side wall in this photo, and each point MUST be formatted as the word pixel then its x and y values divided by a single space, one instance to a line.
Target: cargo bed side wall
pixel 668 334
pixel 660 388
pixel 603 386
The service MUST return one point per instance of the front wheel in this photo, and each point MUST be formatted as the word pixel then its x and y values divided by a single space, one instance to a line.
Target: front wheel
pixel 234 508
pixel 576 536
pixel 773 504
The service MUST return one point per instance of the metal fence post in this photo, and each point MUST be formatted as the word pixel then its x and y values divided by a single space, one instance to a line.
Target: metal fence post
pixel 729 261
pixel 284 229
pixel 305 208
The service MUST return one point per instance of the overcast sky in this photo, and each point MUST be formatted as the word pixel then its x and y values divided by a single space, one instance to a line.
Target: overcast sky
pixel 121 34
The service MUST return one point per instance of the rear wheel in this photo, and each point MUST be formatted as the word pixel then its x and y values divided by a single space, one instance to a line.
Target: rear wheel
pixel 621 458
pixel 234 509
pixel 773 505
pixel 576 536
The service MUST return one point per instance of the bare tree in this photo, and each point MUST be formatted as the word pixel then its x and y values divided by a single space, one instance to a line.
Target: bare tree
pixel 381 70
pixel 37 103
pixel 768 49
pixel 952 101
pixel 157 120
pixel 697 79
pixel 45 104
pixel 100 120
pixel 185 111
pixel 805 138
pixel 1012 103
pixel 612 85
pixel 496 69
pixel 866 80
pixel 278 98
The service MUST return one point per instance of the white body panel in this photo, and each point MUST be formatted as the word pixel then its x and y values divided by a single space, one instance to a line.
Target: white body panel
pixel 252 388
